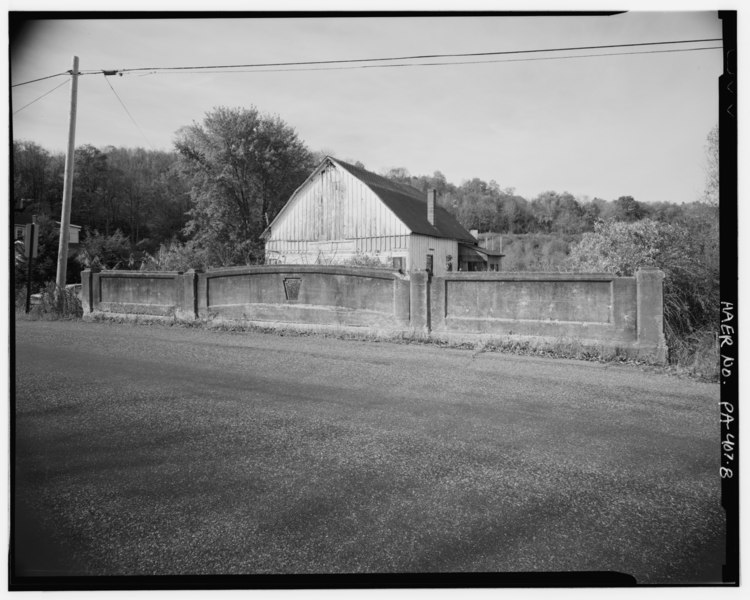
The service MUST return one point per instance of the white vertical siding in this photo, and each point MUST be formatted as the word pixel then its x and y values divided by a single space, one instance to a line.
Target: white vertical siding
pixel 421 245
pixel 335 217
pixel 334 205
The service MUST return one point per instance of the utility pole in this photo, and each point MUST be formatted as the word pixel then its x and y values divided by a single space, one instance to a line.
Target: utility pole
pixel 62 256
pixel 30 249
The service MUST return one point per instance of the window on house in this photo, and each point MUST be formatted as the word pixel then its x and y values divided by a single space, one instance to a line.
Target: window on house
pixel 398 263
pixel 448 262
pixel 429 263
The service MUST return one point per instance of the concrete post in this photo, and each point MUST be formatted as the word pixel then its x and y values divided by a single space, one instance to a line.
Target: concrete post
pixel 95 289
pixel 201 302
pixel 650 313
pixel 419 305
pixel 187 307
pixel 401 302
pixel 437 303
pixel 87 282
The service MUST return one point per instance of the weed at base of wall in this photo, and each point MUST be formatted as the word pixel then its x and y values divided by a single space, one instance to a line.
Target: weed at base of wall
pixel 569 348
pixel 697 353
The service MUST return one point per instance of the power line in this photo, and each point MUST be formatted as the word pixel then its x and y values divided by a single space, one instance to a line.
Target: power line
pixel 394 58
pixel 41 79
pixel 128 112
pixel 415 57
pixel 40 97
pixel 438 64
pixel 361 60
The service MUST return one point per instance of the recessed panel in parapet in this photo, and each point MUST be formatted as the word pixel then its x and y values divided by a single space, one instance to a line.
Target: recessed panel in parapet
pixel 291 288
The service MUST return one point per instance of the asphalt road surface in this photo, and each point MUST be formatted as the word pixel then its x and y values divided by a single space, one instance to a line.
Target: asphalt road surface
pixel 150 450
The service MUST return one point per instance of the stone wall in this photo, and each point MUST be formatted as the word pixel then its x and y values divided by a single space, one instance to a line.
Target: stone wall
pixel 594 309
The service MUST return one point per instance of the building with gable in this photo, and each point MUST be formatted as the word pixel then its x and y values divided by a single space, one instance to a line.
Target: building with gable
pixel 342 214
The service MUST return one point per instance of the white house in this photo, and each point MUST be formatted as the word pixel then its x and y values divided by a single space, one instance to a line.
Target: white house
pixel 342 213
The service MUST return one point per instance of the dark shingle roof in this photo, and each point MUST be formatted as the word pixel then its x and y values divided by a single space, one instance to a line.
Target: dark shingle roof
pixel 410 205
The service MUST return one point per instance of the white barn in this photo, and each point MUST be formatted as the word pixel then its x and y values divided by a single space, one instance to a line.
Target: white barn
pixel 343 213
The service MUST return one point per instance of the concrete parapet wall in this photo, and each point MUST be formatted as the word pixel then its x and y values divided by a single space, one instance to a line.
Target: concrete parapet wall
pixel 598 310
pixel 132 292
pixel 589 306
pixel 593 309
pixel 306 294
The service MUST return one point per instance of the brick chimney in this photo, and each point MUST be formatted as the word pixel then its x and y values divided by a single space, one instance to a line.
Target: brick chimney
pixel 431 194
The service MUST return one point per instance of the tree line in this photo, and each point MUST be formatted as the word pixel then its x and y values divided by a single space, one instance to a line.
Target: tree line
pixel 488 207
pixel 206 202
pixel 139 193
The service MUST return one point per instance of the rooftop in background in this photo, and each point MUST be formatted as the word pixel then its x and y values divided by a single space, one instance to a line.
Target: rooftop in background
pixel 410 205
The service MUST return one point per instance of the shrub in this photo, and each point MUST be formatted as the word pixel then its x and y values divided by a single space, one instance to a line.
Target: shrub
pixel 106 251
pixel 698 353
pixel 20 298
pixel 177 256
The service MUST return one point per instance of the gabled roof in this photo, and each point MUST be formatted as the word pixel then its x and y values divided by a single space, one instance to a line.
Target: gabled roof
pixel 409 205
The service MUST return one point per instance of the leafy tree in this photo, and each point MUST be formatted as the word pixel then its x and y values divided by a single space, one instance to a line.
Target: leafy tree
pixel 516 215
pixel 169 206
pixel 37 177
pixel 91 185
pixel 398 174
pixel 242 166
pixel 30 169
pixel 106 251
pixel 592 212
pixel 627 209
pixel 152 198
pixel 664 211
pixel 133 171
pixel 557 212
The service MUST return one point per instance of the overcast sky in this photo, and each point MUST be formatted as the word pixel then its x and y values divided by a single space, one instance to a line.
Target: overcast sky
pixel 606 126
